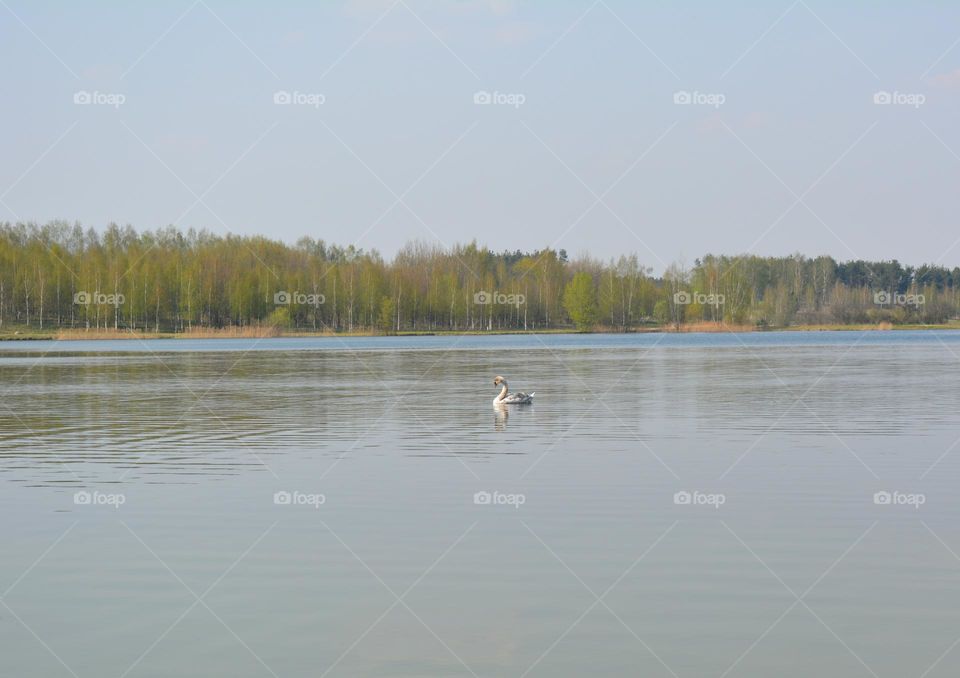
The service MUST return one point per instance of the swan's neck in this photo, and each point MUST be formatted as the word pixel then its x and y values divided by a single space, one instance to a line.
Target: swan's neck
pixel 503 391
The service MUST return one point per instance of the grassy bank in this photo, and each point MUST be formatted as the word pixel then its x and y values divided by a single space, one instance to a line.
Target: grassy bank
pixel 256 332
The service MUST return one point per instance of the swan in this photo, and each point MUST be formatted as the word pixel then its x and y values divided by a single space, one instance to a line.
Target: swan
pixel 506 398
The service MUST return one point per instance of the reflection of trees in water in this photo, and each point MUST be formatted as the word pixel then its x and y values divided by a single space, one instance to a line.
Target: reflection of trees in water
pixel 96 417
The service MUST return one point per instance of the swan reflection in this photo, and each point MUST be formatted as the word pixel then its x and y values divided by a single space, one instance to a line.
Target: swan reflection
pixel 500 416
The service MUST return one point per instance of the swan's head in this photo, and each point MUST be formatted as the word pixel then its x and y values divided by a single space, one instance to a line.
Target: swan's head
pixel 498 380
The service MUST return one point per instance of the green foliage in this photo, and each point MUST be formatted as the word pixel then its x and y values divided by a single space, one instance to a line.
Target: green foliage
pixel 280 317
pixel 661 312
pixel 388 312
pixel 580 301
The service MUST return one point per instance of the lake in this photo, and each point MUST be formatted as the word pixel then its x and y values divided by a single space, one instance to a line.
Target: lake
pixel 768 504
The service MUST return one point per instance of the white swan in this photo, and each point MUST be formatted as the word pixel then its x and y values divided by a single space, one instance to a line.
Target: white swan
pixel 506 398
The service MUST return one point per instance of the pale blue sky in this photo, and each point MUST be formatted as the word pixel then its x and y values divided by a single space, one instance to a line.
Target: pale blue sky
pixel 397 79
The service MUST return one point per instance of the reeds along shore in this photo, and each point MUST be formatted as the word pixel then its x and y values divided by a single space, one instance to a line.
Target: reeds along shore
pixel 261 332
pixel 253 332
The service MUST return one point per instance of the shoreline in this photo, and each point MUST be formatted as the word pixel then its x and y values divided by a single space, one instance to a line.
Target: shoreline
pixel 271 332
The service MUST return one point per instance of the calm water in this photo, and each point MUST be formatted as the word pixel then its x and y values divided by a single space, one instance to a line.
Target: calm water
pixel 183 563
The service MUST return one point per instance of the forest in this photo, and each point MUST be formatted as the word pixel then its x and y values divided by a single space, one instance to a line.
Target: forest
pixel 62 275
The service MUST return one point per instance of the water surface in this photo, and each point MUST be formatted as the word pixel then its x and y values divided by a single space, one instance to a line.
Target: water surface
pixel 399 572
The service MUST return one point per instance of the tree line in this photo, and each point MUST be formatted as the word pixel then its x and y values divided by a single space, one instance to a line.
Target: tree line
pixel 61 275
